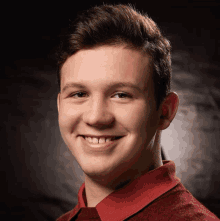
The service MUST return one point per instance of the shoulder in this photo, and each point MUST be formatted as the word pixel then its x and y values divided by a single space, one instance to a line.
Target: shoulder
pixel 67 216
pixel 176 204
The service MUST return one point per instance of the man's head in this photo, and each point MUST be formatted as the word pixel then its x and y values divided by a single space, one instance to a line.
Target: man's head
pixel 108 114
pixel 119 25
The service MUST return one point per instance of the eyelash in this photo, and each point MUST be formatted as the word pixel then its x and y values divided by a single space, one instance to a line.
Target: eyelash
pixel 124 94
pixel 119 93
pixel 80 92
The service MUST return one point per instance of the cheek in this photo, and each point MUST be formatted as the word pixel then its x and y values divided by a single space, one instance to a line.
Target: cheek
pixel 132 117
pixel 141 119
pixel 68 117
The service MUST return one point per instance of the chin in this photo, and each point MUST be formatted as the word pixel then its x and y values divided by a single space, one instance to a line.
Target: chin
pixel 98 172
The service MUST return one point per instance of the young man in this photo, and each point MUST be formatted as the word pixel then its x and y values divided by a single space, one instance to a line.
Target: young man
pixel 114 101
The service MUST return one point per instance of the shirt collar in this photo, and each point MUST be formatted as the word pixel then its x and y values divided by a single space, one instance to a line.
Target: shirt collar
pixel 139 193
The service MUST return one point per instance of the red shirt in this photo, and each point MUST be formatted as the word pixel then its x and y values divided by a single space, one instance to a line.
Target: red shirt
pixel 156 195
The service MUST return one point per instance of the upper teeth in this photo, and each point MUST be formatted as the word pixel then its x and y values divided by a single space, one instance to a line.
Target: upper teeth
pixel 99 140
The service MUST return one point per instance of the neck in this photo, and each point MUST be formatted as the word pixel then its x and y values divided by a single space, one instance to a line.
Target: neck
pixel 98 189
pixel 95 192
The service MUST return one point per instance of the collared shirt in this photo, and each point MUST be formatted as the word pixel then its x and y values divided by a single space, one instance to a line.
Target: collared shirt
pixel 156 195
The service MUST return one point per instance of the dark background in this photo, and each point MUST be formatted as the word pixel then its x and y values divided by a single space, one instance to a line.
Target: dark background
pixel 31 29
pixel 39 180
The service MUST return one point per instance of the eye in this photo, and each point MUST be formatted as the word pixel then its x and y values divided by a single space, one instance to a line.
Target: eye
pixel 78 94
pixel 123 95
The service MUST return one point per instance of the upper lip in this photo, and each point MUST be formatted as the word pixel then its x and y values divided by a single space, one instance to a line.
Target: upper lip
pixel 101 136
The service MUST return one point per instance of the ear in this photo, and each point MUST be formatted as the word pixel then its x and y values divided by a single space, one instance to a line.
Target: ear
pixel 58 102
pixel 168 110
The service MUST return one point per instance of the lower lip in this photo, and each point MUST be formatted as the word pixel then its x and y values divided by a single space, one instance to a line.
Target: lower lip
pixel 99 147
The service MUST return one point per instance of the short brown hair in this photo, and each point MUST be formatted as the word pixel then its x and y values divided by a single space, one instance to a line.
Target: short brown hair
pixel 118 25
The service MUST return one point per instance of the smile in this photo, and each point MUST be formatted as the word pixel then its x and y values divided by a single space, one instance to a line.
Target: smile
pixel 99 144
pixel 100 140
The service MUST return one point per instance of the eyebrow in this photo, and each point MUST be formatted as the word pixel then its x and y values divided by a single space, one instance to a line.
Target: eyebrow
pixel 111 85
pixel 70 85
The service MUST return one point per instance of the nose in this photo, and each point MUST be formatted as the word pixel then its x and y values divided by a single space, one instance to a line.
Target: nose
pixel 98 114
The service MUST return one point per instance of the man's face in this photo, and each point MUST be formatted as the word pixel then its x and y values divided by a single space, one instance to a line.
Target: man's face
pixel 107 110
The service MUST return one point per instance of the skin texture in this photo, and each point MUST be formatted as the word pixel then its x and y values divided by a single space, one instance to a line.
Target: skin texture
pixel 105 108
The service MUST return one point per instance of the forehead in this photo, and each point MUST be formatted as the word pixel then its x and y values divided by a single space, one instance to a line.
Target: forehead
pixel 107 63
